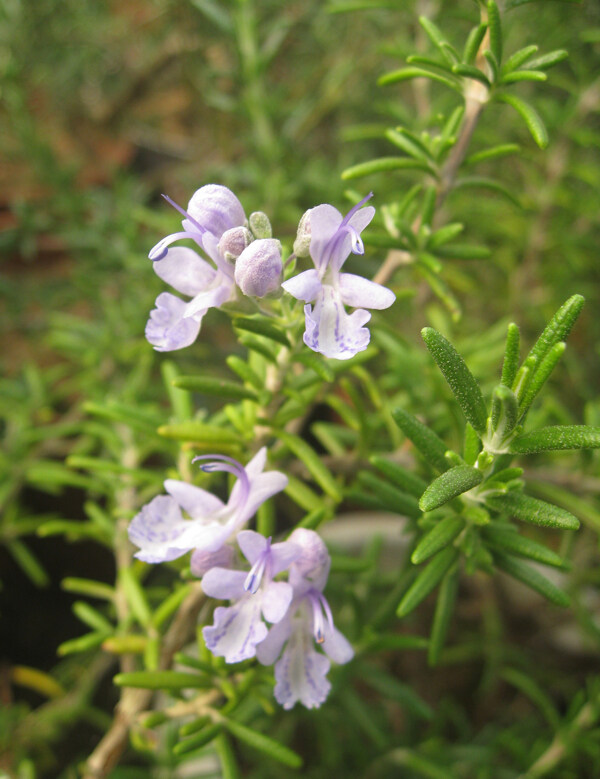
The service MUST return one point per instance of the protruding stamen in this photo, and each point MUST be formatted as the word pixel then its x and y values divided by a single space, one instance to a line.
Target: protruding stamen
pixel 319 605
pixel 358 246
pixel 229 465
pixel 159 251
pixel 184 213
pixel 254 578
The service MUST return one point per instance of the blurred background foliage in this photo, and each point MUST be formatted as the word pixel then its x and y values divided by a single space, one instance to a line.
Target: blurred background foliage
pixel 104 105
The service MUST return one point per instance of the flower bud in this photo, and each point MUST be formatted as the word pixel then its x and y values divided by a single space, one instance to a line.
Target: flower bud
pixel 216 208
pixel 234 241
pixel 259 267
pixel 260 225
pixel 302 242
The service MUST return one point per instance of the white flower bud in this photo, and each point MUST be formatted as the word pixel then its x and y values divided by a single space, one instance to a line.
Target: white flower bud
pixel 259 267
pixel 302 242
pixel 234 241
pixel 260 225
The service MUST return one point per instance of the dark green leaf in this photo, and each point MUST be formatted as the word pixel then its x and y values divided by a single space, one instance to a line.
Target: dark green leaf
pixel 384 164
pixel 444 611
pixel 555 438
pixel 511 355
pixel 541 375
pixel 440 536
pixel 505 411
pixel 426 581
pixel 402 478
pixel 514 543
pixel 427 442
pixel 208 734
pixel 404 74
pixel 470 71
pixel 462 251
pixel 459 377
pixel 530 116
pixel 519 58
pixel 473 43
pixel 549 60
pixel 532 510
pixel 260 327
pixel 263 744
pixel 389 496
pixel 449 485
pixel 314 464
pixel 484 182
pixel 493 153
pixel 523 75
pixel 532 578
pixel 437 38
pixel 215 387
pixel 495 28
pixel 557 329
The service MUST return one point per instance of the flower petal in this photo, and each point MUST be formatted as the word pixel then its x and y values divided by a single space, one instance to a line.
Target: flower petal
pixel 262 488
pixel 197 502
pixel 157 531
pixel 331 331
pixel 305 286
pixel 169 328
pixel 283 555
pixel 252 544
pixel 185 271
pixel 324 223
pixel 236 630
pixel 216 208
pixel 362 293
pixel 276 599
pixel 301 674
pixel 270 649
pixel 210 298
pixel 337 646
pixel 224 584
pixel 202 561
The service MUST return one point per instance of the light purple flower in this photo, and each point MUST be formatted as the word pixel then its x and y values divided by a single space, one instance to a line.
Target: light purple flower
pixel 329 329
pixel 259 267
pixel 212 211
pixel 162 533
pixel 237 629
pixel 301 671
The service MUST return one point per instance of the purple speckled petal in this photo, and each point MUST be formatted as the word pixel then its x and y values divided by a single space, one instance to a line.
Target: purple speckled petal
pixel 361 293
pixel 224 584
pixel 276 600
pixel 157 531
pixel 201 561
pixel 185 271
pixel 337 646
pixel 236 630
pixel 333 332
pixel 197 502
pixel 301 673
pixel 305 286
pixel 270 649
pixel 216 208
pixel 168 327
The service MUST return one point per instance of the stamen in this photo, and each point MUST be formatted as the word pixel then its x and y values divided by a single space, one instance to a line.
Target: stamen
pixel 358 246
pixel 229 465
pixel 183 212
pixel 319 605
pixel 257 571
pixel 355 208
pixel 159 251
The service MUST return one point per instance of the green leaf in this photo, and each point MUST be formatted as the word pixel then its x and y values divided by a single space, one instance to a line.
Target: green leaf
pixel 28 562
pixel 557 329
pixel 81 644
pixel 555 438
pixel 409 143
pixel 180 401
pixel 135 595
pixel 216 13
pixel 532 510
pixel 470 71
pixel 245 372
pixel 472 445
pixel 201 739
pixel 260 327
pixel 532 578
pixel 170 605
pixel 402 478
pixel 219 388
pixel 405 74
pixel 392 689
pixel 484 182
pixel 229 766
pixel 473 43
pixel 511 355
pixel 495 28
pixel 549 60
pixel 459 377
pixel 444 234
pixel 317 363
pixel 197 431
pixel 384 164
pixel 427 442
pixel 523 75
pixel 89 587
pixel 444 611
pixel 449 485
pixel 463 251
pixel 161 680
pixel 540 376
pixel 505 411
pixel 514 543
pixel 440 536
pixel 426 580
pixel 390 497
pixel 530 116
pixel 259 346
pixel 91 617
pixel 519 58
pixel 263 744
pixel 439 41
pixel 494 152
pixel 314 464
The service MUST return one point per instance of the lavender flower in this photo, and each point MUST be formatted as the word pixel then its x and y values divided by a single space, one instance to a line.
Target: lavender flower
pixel 162 533
pixel 237 629
pixel 329 329
pixel 259 267
pixel 174 324
pixel 301 671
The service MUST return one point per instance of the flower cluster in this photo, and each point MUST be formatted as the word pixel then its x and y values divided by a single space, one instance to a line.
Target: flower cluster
pixel 296 610
pixel 247 260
